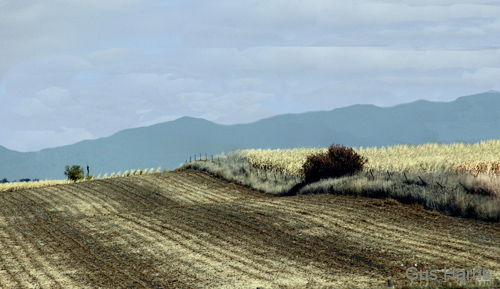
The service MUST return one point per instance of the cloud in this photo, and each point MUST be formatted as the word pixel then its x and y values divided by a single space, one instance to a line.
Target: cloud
pixel 73 70
pixel 243 107
pixel 26 78
pixel 109 5
pixel 246 82
pixel 231 86
pixel 231 108
pixel 55 97
pixel 108 91
pixel 488 77
pixel 44 138
pixel 111 57
pixel 368 13
pixel 169 86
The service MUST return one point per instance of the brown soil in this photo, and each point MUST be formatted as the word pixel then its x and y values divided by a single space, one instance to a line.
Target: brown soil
pixel 186 229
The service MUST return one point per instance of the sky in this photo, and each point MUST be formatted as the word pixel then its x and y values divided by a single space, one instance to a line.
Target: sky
pixel 76 70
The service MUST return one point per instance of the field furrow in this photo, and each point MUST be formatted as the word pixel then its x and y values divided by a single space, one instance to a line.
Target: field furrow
pixel 24 253
pixel 187 229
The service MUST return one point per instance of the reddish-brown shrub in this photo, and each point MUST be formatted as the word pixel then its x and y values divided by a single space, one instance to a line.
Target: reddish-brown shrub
pixel 338 162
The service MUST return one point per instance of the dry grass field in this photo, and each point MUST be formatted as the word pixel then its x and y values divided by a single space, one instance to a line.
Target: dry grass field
pixel 482 157
pixel 187 229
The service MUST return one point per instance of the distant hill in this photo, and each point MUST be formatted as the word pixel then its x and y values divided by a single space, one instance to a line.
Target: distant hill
pixel 467 119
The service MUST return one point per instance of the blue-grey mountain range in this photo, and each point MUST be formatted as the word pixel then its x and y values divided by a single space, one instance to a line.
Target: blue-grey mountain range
pixel 467 119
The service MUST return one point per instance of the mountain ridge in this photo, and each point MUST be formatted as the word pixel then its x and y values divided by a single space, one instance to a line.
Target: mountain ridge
pixel 467 119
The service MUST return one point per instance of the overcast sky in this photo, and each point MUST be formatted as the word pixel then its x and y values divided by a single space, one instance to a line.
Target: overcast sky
pixel 75 70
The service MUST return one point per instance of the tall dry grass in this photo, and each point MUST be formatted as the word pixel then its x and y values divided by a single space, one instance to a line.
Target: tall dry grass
pixel 235 169
pixel 19 186
pixel 457 179
pixel 432 157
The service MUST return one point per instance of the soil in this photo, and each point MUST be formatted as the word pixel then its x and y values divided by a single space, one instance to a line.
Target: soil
pixel 187 229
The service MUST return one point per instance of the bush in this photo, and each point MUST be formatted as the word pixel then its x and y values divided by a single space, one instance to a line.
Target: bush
pixel 337 162
pixel 74 173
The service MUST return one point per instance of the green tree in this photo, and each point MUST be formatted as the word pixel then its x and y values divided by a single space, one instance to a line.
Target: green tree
pixel 74 173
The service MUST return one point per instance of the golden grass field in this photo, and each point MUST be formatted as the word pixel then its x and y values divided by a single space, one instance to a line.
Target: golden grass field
pixel 483 157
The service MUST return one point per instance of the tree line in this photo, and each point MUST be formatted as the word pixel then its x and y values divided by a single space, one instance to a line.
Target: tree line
pixel 5 180
pixel 73 173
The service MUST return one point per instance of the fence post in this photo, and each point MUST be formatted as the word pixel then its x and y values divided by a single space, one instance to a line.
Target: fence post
pixel 423 182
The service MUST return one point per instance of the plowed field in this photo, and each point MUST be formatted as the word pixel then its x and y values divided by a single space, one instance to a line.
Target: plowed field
pixel 186 229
